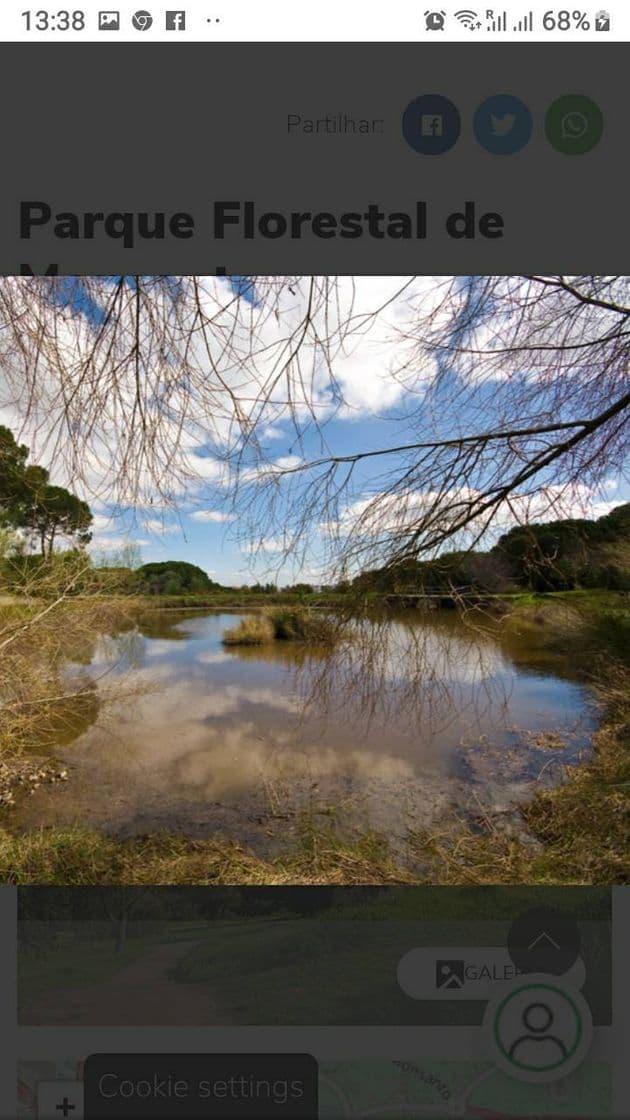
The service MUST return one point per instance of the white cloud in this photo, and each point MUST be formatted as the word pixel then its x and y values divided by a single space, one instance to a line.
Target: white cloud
pixel 361 368
pixel 268 544
pixel 113 544
pixel 379 514
pixel 102 523
pixel 213 515
pixel 286 462
pixel 557 503
pixel 160 528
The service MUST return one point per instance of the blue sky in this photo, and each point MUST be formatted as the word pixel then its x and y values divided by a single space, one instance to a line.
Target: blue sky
pixel 374 414
pixel 206 532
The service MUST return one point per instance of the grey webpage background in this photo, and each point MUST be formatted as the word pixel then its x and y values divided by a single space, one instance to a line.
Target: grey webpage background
pixel 163 127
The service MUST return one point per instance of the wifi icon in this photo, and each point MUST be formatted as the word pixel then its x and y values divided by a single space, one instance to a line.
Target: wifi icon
pixel 468 19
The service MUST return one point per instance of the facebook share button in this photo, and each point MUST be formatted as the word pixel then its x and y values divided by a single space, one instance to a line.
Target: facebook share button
pixel 431 124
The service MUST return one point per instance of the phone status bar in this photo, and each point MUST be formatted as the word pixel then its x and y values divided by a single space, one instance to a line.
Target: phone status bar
pixel 283 21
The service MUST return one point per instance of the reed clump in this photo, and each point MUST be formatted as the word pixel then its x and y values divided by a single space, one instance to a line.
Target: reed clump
pixel 255 630
pixel 284 624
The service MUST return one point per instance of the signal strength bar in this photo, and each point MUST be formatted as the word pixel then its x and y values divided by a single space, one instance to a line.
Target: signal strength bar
pixel 526 23
pixel 497 21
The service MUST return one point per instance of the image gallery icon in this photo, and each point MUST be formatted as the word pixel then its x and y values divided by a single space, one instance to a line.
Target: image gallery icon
pixel 449 975
pixel 176 21
pixel 109 21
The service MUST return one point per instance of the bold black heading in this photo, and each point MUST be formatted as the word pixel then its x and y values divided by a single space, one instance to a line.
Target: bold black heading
pixel 246 221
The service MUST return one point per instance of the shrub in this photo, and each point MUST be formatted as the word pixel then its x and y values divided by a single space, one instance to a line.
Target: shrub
pixel 172 577
pixel 284 624
pixel 295 624
pixel 254 631
pixel 64 573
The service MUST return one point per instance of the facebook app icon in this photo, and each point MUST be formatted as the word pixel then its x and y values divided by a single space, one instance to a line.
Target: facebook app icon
pixel 431 124
pixel 176 21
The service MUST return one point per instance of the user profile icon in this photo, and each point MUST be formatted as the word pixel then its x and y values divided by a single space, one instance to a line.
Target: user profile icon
pixel 540 1030
pixel 431 124
pixel 503 124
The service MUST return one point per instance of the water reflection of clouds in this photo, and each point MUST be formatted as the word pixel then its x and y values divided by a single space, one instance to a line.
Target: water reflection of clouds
pixel 237 759
pixel 187 700
pixel 158 647
pixel 388 718
pixel 213 657
pixel 458 657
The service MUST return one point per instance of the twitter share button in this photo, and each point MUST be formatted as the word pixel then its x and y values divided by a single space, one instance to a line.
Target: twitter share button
pixel 502 124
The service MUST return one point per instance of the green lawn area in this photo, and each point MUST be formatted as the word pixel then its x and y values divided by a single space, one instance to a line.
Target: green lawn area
pixel 75 963
pixel 73 967
pixel 341 971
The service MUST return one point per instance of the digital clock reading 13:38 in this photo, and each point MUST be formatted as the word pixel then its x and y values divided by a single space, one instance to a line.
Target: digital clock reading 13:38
pixel 62 20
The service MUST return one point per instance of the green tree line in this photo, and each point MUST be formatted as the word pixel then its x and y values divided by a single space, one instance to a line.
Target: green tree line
pixel 29 503
pixel 562 555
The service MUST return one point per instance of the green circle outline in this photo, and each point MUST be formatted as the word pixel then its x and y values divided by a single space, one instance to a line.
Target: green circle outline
pixel 561 145
pixel 522 1065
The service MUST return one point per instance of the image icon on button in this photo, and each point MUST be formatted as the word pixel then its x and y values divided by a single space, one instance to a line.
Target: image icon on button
pixel 431 124
pixel 502 124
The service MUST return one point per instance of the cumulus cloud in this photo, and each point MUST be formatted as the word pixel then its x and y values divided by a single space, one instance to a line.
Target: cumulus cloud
pixel 361 373
pixel 215 516
pixel 115 543
pixel 379 515
pixel 160 528
pixel 266 544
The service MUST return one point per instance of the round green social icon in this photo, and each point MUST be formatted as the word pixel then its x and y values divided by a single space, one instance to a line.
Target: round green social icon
pixel 574 124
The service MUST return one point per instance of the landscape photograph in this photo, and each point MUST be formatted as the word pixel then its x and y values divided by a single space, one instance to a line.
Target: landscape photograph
pixel 314 580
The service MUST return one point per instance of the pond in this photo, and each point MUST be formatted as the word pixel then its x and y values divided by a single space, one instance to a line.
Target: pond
pixel 409 715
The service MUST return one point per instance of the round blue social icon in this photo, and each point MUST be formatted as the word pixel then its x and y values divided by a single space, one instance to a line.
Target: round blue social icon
pixel 502 124
pixel 431 124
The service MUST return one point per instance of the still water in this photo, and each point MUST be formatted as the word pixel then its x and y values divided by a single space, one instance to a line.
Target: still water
pixel 412 714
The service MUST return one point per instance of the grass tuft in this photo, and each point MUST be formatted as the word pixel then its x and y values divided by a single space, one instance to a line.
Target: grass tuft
pixel 284 624
pixel 81 857
pixel 255 630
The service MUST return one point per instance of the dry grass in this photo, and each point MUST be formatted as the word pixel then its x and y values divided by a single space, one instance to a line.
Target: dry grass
pixel 80 857
pixel 297 624
pixel 255 630
pixel 284 624
pixel 39 701
pixel 577 833
pixel 584 825
pixel 44 627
